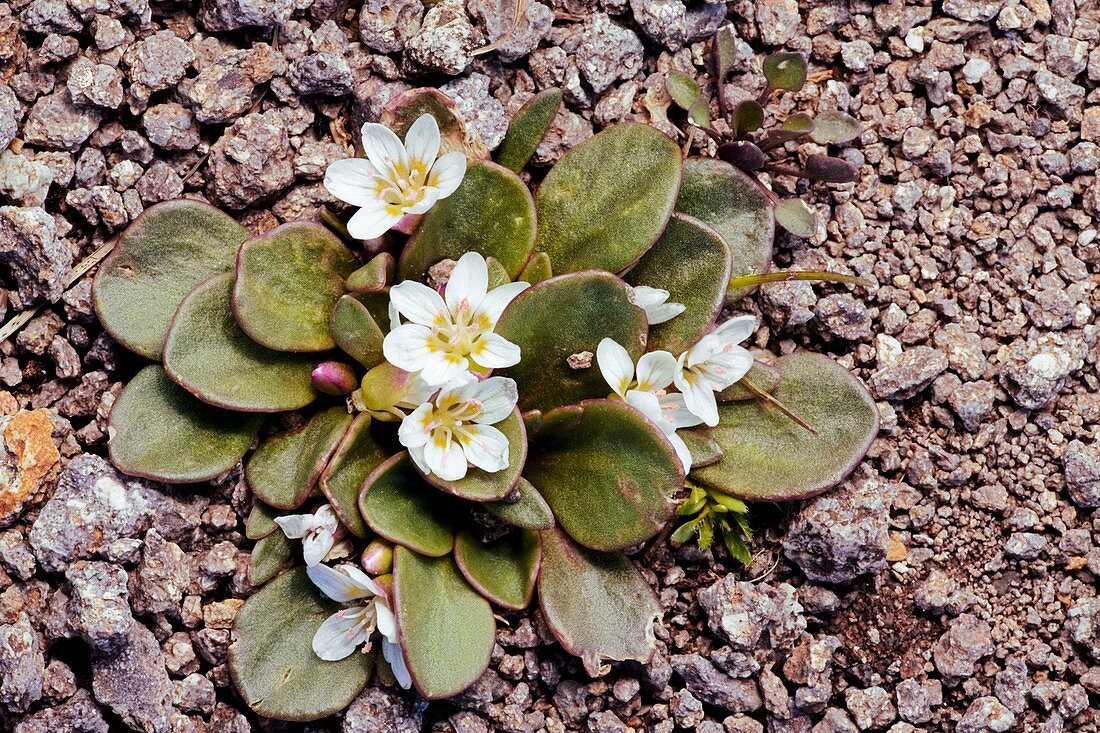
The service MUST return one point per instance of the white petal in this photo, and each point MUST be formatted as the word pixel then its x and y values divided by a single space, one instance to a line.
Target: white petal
pixel 702 350
pixel 726 367
pixel 656 370
pixel 429 199
pixel 295 526
pixel 417 391
pixel 386 623
pixel 497 299
pixel 664 312
pixel 316 545
pixel 736 330
pixel 615 365
pixel 445 459
pixel 337 585
pixel 495 352
pixel 372 222
pixel 485 447
pixel 353 181
pixel 417 302
pixel 468 284
pixel 383 148
pixel 676 412
pixel 699 398
pixel 498 397
pixel 646 297
pixel 440 368
pixel 681 449
pixel 392 653
pixel 422 141
pixel 415 429
pixel 341 634
pixel 648 404
pixel 416 453
pixel 327 518
pixel 448 172
pixel 361 579
pixel 408 346
pixel 394 314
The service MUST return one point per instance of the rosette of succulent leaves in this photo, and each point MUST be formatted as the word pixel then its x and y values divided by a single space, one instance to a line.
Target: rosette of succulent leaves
pixel 490 400
pixel 754 140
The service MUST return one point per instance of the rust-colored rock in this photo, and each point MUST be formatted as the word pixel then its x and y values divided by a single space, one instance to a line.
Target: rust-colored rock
pixel 27 456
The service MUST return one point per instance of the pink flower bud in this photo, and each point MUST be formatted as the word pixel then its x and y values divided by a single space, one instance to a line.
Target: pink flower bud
pixel 334 378
pixel 377 558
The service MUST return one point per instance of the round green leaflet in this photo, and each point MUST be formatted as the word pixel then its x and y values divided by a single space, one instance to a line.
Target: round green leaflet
pixel 734 206
pixel 209 355
pixel 526 508
pixel 356 332
pixel 272 661
pixel 528 128
pixel 349 467
pixel 491 212
pixel 397 504
pixel 288 281
pixel 157 260
pixel 502 571
pixel 692 263
pixel 562 317
pixel 608 199
pixel 768 457
pixel 159 431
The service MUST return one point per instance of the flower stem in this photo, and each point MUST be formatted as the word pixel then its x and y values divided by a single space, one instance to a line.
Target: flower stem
pixel 779 406
pixel 780 277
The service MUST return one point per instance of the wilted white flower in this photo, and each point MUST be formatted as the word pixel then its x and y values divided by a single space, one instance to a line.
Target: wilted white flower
pixel 449 335
pixel 318 532
pixel 714 363
pixel 654 302
pixel 395 179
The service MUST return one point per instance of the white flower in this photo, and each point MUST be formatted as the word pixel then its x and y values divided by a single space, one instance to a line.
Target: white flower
pixel 318 532
pixel 345 631
pixel 653 302
pixel 713 364
pixel 446 337
pixel 456 428
pixel 395 179
pixel 655 371
pixel 391 647
pixel 670 414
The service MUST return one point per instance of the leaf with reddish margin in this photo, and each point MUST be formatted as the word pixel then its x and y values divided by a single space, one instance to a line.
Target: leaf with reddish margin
pixel 479 485
pixel 397 504
pixel 502 571
pixel 342 480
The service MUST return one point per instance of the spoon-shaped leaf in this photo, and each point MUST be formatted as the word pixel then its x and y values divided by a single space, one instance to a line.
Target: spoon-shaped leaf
pixel 526 509
pixel 607 200
pixel 796 216
pixel 209 355
pixel 284 470
pixel 610 477
pixel 761 375
pixel 373 276
pixel 446 627
pixel 567 315
pixel 835 127
pixel 354 460
pixel 503 571
pixel 692 263
pixel 597 604
pixel 528 128
pixel 157 260
pixel 261 521
pixel 406 108
pixel 288 280
pixel 767 457
pixel 397 504
pixel 479 485
pixel 747 117
pixel 356 332
pixel 733 205
pixel 161 432
pixel 272 660
pixel 491 212
pixel 269 555
pixel 703 448
pixel 537 269
pixel 785 70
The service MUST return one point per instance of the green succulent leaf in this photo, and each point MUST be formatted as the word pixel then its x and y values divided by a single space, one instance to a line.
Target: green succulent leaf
pixel 491 212
pixel 732 204
pixel 355 331
pixel 374 276
pixel 156 261
pixel 785 71
pixel 356 457
pixel 272 660
pixel 537 269
pixel 398 505
pixel 480 485
pixel 687 94
pixel 723 51
pixel 497 274
pixel 209 355
pixel 607 200
pixel 797 125
pixel 446 628
pixel 285 469
pixel 528 510
pixel 567 315
pixel 528 128
pixel 598 606
pixel 503 571
pixel 288 280
pixel 402 111
pixel 834 127
pixel 796 216
pixel 161 432
pixel 767 457
pixel 693 264
pixel 747 117
pixel 761 375
pixel 261 521
pixel 703 448
pixel 269 555
pixel 610 478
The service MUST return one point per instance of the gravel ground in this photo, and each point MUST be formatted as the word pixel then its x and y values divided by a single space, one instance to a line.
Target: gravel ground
pixel 951 584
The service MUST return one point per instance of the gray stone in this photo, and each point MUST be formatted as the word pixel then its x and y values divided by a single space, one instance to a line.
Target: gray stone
pixel 387 25
pixel 842 534
pixel 96 84
pixel 1081 465
pixel 382 709
pixel 40 263
pixel 171 126
pixel 226 89
pixel 749 616
pixel 252 162
pixel 24 181
pixel 966 642
pixel 79 715
pixel 788 304
pixel 918 700
pixel 232 15
pixel 857 55
pixel 478 108
pixel 157 62
pixel 51 16
pixel 195 694
pixel 99 606
pixel 445 39
pixel 871 707
pixel 1035 371
pixel 986 714
pixel 673 24
pixel 606 52
pixel 713 687
pixel 133 682
pixel 1083 625
pixel 162 576
pixel 844 317
pixel 1026 545
pixel 55 122
pixel 686 709
pixel 15 555
pixel 910 373
pixel 10 113
pixel 778 21
pixel 496 18
pixel 972 402
pixel 22 665
pixel 835 720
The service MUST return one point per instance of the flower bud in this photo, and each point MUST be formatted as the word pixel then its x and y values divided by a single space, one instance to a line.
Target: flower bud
pixel 334 378
pixel 377 558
